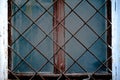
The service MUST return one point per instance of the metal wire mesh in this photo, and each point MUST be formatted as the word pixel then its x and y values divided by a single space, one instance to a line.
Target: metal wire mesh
pixel 48 35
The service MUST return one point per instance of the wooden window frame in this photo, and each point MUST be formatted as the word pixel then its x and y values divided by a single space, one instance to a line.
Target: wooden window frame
pixel 59 59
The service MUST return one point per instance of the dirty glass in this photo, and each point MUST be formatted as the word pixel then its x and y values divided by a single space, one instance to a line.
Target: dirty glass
pixel 31 47
pixel 86 25
pixel 85 35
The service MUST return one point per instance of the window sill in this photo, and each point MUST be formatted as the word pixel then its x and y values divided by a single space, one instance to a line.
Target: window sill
pixel 56 76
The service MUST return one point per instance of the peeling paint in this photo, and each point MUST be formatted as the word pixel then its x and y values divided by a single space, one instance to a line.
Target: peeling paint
pixel 115 39
pixel 3 40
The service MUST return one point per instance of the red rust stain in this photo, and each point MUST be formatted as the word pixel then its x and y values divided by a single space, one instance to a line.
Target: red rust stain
pixel 59 38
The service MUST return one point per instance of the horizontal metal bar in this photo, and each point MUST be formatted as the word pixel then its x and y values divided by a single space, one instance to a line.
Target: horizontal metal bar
pixel 69 75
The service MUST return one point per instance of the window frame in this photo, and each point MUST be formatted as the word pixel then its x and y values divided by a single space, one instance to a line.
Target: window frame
pixel 58 74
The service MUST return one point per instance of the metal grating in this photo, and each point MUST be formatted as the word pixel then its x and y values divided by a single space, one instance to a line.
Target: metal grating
pixel 60 23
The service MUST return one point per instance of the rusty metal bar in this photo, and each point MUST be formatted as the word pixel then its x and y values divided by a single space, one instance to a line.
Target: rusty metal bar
pixel 9 34
pixel 58 28
pixel 109 34
pixel 34 47
pixel 29 42
pixel 55 76
pixel 59 36
pixel 73 35
pixel 68 31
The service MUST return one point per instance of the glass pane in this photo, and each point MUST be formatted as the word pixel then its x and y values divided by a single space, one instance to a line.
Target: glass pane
pixel 85 47
pixel 27 35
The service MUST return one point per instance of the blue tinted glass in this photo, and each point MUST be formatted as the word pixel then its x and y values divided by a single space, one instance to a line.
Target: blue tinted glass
pixel 78 51
pixel 32 35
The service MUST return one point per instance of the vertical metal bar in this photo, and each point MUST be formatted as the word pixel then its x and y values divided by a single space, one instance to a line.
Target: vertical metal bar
pixel 109 33
pixel 59 36
pixel 9 35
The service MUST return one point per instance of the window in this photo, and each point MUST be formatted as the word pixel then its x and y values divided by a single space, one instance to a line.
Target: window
pixel 60 39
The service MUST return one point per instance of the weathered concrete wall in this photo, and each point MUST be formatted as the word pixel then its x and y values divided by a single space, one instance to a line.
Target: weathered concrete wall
pixel 116 39
pixel 3 40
